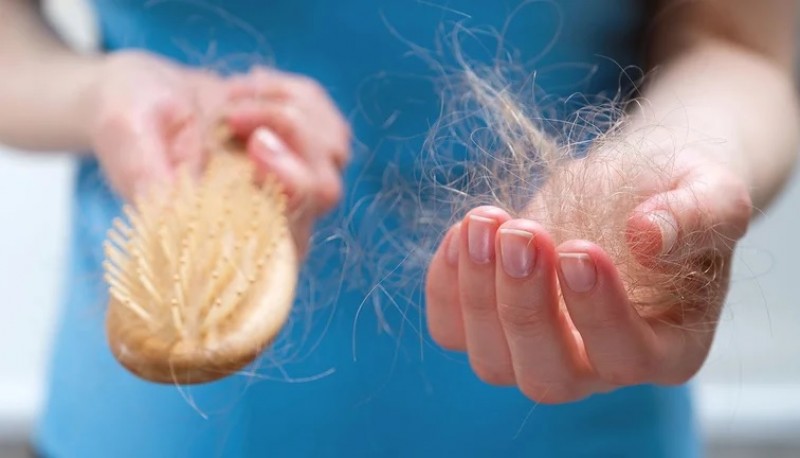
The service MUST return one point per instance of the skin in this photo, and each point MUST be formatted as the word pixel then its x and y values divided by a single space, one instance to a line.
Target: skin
pixel 722 81
pixel 143 116
pixel 483 297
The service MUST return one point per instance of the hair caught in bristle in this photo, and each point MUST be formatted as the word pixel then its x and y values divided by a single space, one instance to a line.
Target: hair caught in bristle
pixel 201 275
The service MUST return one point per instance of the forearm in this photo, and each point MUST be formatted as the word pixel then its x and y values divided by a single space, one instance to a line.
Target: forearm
pixel 722 83
pixel 45 88
pixel 726 100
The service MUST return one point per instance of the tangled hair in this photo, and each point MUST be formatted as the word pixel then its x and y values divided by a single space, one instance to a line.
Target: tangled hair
pixel 581 177
pixel 498 141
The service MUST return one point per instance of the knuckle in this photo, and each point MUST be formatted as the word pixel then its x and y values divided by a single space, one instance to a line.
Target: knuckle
pixel 446 329
pixel 260 72
pixel 342 152
pixel 329 193
pixel 552 393
pixel 446 339
pixel 481 310
pixel 290 115
pixel 676 379
pixel 521 320
pixel 683 373
pixel 259 77
pixel 606 323
pixel 301 87
pixel 739 206
pixel 168 105
pixel 436 295
pixel 309 86
pixel 342 158
pixel 629 372
pixel 491 374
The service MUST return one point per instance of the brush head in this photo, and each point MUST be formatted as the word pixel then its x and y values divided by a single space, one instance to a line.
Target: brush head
pixel 201 275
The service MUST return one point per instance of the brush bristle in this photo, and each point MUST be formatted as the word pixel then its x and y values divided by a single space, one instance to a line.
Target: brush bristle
pixel 201 276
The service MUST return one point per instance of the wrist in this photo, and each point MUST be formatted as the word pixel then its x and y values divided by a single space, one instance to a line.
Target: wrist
pixel 83 79
pixel 670 141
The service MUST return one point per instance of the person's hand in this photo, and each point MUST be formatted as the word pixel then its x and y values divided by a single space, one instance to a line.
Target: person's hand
pixel 152 116
pixel 560 322
pixel 293 130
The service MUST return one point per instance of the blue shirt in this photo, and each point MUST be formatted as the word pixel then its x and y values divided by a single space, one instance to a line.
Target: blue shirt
pixel 355 373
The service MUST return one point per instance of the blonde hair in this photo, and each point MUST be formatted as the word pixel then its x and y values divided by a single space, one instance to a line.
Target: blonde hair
pixel 581 177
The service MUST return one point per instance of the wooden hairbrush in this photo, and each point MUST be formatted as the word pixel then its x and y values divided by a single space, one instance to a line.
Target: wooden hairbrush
pixel 201 275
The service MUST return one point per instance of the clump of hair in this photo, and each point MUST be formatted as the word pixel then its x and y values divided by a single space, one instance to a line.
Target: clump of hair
pixel 580 177
pixel 572 165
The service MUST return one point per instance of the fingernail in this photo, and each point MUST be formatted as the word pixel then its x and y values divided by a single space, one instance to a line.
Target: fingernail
pixel 480 238
pixel 578 270
pixel 517 251
pixel 270 143
pixel 668 227
pixel 452 246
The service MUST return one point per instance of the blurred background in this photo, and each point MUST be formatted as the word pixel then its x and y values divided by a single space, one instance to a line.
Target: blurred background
pixel 748 393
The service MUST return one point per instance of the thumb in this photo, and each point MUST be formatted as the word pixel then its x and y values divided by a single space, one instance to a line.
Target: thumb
pixel 271 155
pixel 705 212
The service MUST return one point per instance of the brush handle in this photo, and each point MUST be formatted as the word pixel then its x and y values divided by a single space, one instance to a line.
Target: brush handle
pixel 174 321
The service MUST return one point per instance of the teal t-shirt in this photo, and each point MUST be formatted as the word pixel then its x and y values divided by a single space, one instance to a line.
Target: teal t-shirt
pixel 355 374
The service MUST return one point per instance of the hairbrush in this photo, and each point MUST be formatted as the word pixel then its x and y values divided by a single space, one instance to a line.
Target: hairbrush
pixel 201 273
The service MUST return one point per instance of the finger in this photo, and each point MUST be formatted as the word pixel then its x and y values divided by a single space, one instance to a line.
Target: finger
pixel 270 84
pixel 685 332
pixel 701 215
pixel 547 363
pixel 302 226
pixel 286 121
pixel 486 342
pixel 177 119
pixel 272 155
pixel 319 141
pixel 187 148
pixel 260 82
pixel 445 322
pixel 133 156
pixel 311 190
pixel 621 346
pixel 294 134
pixel 303 94
pixel 145 174
pixel 329 188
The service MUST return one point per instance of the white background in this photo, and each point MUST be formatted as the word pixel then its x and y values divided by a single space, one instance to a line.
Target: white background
pixel 749 389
